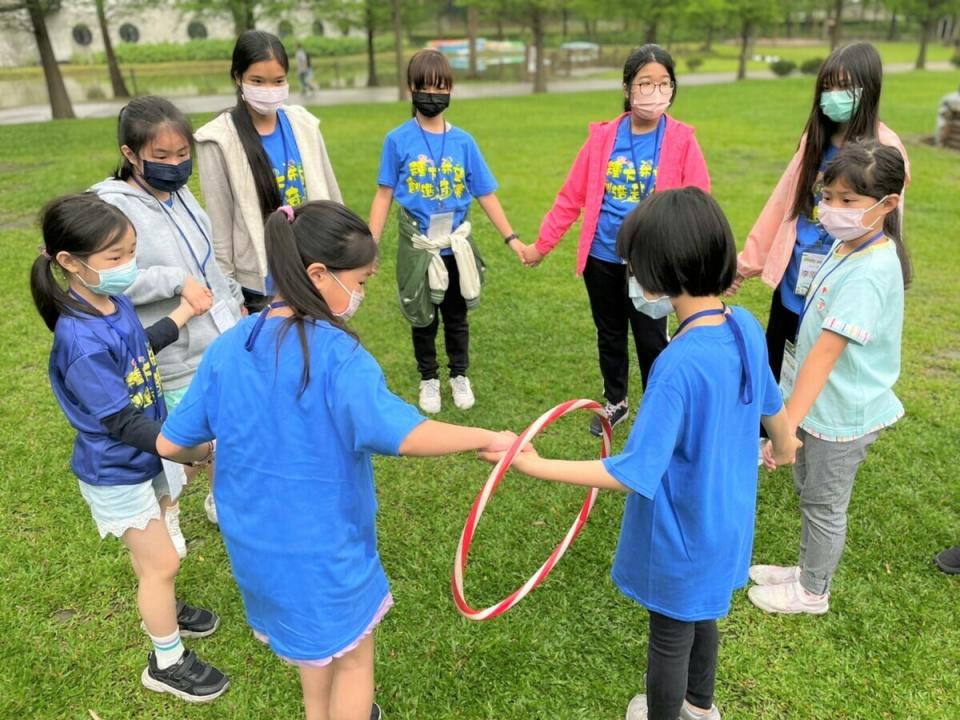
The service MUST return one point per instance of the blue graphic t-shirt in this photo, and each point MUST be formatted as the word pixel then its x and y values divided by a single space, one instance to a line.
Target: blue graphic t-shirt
pixel 433 173
pixel 284 156
pixel 94 374
pixel 811 237
pixel 625 186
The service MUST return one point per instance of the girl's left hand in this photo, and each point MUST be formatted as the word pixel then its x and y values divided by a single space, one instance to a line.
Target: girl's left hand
pixel 501 442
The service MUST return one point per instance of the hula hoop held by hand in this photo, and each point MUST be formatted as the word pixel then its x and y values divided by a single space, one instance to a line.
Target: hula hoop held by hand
pixel 496 475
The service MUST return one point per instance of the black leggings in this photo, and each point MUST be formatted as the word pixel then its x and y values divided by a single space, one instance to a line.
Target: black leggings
pixel 681 663
pixel 782 325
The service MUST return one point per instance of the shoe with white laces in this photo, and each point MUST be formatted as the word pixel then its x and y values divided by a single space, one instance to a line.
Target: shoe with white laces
pixel 211 509
pixel 430 396
pixel 171 518
pixel 774 574
pixel 616 414
pixel 789 599
pixel 462 392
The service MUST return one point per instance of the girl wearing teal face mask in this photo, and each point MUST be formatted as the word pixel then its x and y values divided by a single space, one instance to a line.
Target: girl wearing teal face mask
pixel 788 243
pixel 103 372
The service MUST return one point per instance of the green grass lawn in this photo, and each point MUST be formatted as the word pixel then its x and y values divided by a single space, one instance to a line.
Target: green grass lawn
pixel 576 648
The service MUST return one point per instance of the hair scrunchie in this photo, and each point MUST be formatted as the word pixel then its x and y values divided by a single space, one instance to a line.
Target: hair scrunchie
pixel 288 211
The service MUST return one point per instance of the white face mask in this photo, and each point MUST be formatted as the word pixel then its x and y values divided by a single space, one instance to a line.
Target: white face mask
pixel 846 224
pixel 656 309
pixel 356 298
pixel 265 100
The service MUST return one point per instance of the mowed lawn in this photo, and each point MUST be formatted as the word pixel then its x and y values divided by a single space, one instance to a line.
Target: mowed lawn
pixel 576 648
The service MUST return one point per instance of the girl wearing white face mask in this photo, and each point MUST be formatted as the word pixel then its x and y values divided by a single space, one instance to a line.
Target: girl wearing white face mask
pixel 622 162
pixel 256 157
pixel 839 384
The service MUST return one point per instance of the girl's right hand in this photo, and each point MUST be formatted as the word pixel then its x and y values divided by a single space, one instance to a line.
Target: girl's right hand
pixel 199 296
pixel 735 287
pixel 531 256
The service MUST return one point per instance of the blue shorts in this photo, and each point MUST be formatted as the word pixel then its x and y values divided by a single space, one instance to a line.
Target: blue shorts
pixel 117 508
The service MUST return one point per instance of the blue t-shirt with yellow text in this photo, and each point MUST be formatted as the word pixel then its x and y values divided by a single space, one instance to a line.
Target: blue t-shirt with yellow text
pixel 284 156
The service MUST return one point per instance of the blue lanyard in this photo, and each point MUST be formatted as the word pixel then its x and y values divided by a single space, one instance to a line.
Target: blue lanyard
pixel 202 266
pixel 658 145
pixel 811 296
pixel 150 382
pixel 436 163
pixel 261 319
pixel 746 389
pixel 286 154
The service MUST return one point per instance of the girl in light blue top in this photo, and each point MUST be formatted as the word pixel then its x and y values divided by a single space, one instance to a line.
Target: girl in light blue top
pixel 847 359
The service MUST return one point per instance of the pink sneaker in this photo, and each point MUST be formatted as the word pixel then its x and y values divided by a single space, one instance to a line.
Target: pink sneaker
pixel 788 598
pixel 774 574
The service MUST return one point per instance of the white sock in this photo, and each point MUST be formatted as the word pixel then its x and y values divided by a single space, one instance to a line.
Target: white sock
pixel 168 649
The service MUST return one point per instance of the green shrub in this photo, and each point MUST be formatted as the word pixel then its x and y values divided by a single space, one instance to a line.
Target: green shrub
pixel 955 60
pixel 694 62
pixel 782 68
pixel 811 66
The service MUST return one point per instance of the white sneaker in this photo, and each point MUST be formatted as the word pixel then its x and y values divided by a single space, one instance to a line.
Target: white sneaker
pixel 637 709
pixel 171 518
pixel 788 598
pixel 211 509
pixel 462 392
pixel 430 396
pixel 774 574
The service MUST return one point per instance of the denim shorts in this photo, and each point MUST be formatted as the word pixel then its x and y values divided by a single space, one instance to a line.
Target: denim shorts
pixel 117 508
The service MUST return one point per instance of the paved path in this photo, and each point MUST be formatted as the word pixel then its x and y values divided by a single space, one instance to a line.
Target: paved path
pixel 348 96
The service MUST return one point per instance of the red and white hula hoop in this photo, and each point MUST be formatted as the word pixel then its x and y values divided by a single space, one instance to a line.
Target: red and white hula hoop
pixel 496 475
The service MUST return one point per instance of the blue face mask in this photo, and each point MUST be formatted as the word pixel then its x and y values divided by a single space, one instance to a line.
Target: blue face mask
pixel 167 177
pixel 113 281
pixel 656 309
pixel 840 105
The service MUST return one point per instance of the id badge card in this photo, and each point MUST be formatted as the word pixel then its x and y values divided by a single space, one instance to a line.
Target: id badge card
pixel 441 225
pixel 176 477
pixel 809 266
pixel 788 370
pixel 223 316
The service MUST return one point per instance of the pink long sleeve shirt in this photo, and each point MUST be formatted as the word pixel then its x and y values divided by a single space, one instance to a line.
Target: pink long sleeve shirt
pixel 681 165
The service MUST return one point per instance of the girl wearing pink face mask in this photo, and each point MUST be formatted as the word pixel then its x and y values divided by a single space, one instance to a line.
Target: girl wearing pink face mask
pixel 623 161
pixel 258 156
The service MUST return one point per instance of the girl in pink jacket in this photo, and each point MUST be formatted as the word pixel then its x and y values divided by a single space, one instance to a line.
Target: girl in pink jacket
pixel 621 163
pixel 787 243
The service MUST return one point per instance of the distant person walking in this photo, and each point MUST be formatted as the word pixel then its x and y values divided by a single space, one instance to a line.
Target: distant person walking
pixel 304 71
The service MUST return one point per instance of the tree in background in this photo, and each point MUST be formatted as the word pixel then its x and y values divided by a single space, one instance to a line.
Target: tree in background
pixel 371 15
pixel 927 12
pixel 748 15
pixel 116 77
pixel 243 12
pixel 32 14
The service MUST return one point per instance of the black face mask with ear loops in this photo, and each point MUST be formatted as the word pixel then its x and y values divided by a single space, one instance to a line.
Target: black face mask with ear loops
pixel 431 104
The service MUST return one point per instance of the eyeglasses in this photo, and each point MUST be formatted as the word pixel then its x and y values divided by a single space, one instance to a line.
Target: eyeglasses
pixel 646 88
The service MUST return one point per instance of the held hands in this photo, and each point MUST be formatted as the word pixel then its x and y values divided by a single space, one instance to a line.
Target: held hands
pixel 774 457
pixel 199 296
pixel 735 287
pixel 518 247
pixel 531 256
pixel 493 456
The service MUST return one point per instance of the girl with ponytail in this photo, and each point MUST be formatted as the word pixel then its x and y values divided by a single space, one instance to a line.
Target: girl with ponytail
pixel 103 371
pixel 295 490
pixel 257 156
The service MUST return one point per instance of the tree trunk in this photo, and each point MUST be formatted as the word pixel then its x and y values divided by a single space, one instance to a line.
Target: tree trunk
pixel 652 27
pixel 926 27
pixel 788 25
pixel 708 42
pixel 116 77
pixel 242 11
pixel 835 31
pixel 746 37
pixel 472 41
pixel 60 106
pixel 564 13
pixel 499 26
pixel 372 80
pixel 892 31
pixel 402 92
pixel 540 74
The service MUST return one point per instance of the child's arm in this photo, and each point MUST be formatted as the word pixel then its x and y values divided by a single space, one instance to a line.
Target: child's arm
pixel 591 473
pixel 185 455
pixel 491 206
pixel 166 330
pixel 813 374
pixel 431 438
pixel 379 210
pixel 783 436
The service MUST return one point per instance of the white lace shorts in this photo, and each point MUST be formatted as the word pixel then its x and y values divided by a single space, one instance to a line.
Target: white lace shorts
pixel 117 508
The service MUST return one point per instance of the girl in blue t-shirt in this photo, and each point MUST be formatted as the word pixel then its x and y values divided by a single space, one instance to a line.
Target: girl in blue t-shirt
pixel 298 408
pixel 840 383
pixel 689 463
pixel 103 371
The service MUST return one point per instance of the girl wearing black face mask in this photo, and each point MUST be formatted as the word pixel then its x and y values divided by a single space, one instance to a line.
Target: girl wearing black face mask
pixel 174 243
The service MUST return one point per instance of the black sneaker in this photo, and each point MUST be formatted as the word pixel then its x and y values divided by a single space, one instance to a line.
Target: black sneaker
pixel 949 560
pixel 189 679
pixel 616 414
pixel 375 713
pixel 195 622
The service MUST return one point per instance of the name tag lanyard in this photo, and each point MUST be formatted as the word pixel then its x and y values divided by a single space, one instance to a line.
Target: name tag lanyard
pixel 437 164
pixel 746 389
pixel 149 381
pixel 657 147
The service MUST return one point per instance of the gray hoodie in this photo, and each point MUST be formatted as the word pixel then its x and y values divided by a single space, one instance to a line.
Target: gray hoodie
pixel 165 262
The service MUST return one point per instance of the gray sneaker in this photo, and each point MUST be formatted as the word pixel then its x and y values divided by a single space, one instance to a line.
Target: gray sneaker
pixel 686 713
